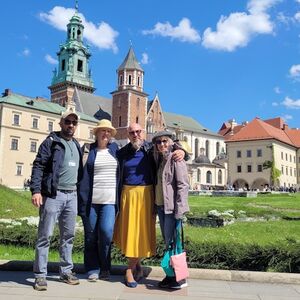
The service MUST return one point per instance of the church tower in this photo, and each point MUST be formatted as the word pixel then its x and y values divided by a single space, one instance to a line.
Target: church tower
pixel 73 65
pixel 129 101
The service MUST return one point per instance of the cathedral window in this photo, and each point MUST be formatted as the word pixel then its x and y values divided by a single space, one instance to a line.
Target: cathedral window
pixel 16 120
pixel 79 65
pixel 14 144
pixel 208 177
pixel 219 177
pixel 129 79
pixel 136 119
pixel 138 81
pixel 50 126
pixel 63 64
pixel 19 170
pixel 120 121
pixel 33 146
pixel 35 123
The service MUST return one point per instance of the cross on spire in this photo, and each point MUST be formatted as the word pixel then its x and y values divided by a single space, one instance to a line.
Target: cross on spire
pixel 76 5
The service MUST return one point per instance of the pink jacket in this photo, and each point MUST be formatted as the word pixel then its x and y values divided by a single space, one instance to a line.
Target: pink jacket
pixel 175 186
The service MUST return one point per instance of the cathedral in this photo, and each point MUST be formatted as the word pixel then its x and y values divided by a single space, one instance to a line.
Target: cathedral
pixel 26 121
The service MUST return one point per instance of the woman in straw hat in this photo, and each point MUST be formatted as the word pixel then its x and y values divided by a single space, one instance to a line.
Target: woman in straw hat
pixel 98 201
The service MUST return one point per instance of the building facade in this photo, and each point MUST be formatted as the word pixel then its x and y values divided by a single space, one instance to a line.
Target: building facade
pixel 262 154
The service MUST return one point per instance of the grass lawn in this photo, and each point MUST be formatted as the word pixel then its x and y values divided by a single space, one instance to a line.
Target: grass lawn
pixel 269 231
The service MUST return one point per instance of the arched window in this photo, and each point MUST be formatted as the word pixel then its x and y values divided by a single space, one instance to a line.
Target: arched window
pixel 120 121
pixel 198 175
pixel 219 177
pixel 136 119
pixel 208 177
pixel 207 148
pixel 121 80
pixel 218 148
pixel 129 79
pixel 138 81
pixel 196 148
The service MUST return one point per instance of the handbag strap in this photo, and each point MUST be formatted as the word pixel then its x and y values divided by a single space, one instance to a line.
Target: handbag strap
pixel 177 238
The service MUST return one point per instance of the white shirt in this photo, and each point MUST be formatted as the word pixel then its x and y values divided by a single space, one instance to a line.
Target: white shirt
pixel 105 170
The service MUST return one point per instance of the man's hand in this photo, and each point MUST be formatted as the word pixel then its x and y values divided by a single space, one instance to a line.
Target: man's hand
pixel 178 155
pixel 37 199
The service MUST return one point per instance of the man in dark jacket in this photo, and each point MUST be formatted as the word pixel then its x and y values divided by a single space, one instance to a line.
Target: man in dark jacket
pixel 56 171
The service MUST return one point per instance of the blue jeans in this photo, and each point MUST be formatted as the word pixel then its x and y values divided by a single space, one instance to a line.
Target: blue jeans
pixel 98 233
pixel 167 224
pixel 63 209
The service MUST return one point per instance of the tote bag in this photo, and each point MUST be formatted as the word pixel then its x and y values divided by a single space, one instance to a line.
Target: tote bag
pixel 178 262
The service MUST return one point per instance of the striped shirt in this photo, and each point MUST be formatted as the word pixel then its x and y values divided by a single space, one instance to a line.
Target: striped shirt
pixel 105 170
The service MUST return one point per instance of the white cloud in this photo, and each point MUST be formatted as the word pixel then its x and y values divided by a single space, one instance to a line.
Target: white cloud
pixel 239 28
pixel 51 60
pixel 290 103
pixel 297 16
pixel 100 35
pixel 287 117
pixel 295 71
pixel 145 58
pixel 183 32
pixel 275 104
pixel 277 90
pixel 26 52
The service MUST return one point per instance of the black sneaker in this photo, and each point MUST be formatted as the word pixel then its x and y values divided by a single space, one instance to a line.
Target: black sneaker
pixel 69 278
pixel 178 284
pixel 40 284
pixel 166 281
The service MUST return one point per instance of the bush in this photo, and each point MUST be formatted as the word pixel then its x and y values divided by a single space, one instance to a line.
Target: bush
pixel 280 257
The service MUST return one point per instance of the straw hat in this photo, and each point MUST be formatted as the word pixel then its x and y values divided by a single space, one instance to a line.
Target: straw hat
pixel 105 124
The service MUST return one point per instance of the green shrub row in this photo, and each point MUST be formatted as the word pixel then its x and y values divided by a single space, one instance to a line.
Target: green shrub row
pixel 279 257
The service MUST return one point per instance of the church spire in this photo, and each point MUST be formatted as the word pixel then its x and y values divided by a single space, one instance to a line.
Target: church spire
pixel 130 73
pixel 73 63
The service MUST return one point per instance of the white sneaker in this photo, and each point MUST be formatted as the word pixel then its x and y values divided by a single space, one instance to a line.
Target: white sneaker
pixel 93 277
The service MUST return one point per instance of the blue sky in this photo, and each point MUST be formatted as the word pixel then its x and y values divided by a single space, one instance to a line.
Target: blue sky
pixel 212 60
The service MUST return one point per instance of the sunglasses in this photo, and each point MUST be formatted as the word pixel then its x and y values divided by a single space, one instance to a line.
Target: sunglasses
pixel 133 132
pixel 159 142
pixel 69 122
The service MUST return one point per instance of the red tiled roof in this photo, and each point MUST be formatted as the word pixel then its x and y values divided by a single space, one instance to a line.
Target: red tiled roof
pixel 276 122
pixel 260 130
pixel 294 135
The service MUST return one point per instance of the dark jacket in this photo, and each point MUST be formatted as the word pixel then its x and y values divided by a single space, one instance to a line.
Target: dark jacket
pixel 47 164
pixel 85 194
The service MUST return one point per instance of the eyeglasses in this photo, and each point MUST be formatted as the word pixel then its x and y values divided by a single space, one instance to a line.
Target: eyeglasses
pixel 133 132
pixel 69 122
pixel 159 142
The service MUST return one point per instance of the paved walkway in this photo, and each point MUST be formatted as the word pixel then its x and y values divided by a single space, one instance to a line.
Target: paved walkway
pixel 17 285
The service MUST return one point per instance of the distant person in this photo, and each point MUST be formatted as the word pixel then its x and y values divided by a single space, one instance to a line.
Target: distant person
pixel 56 171
pixel 135 225
pixel 171 195
pixel 98 199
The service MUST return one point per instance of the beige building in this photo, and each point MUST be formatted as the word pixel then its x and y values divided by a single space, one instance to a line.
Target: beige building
pixel 256 149
pixel 24 124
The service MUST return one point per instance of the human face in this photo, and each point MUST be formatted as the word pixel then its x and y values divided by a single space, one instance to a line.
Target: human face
pixel 103 136
pixel 135 135
pixel 68 126
pixel 162 144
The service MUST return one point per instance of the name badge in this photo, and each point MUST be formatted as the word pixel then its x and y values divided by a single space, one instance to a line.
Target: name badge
pixel 72 163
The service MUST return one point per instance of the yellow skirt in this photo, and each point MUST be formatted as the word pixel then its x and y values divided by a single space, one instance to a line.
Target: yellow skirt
pixel 135 225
